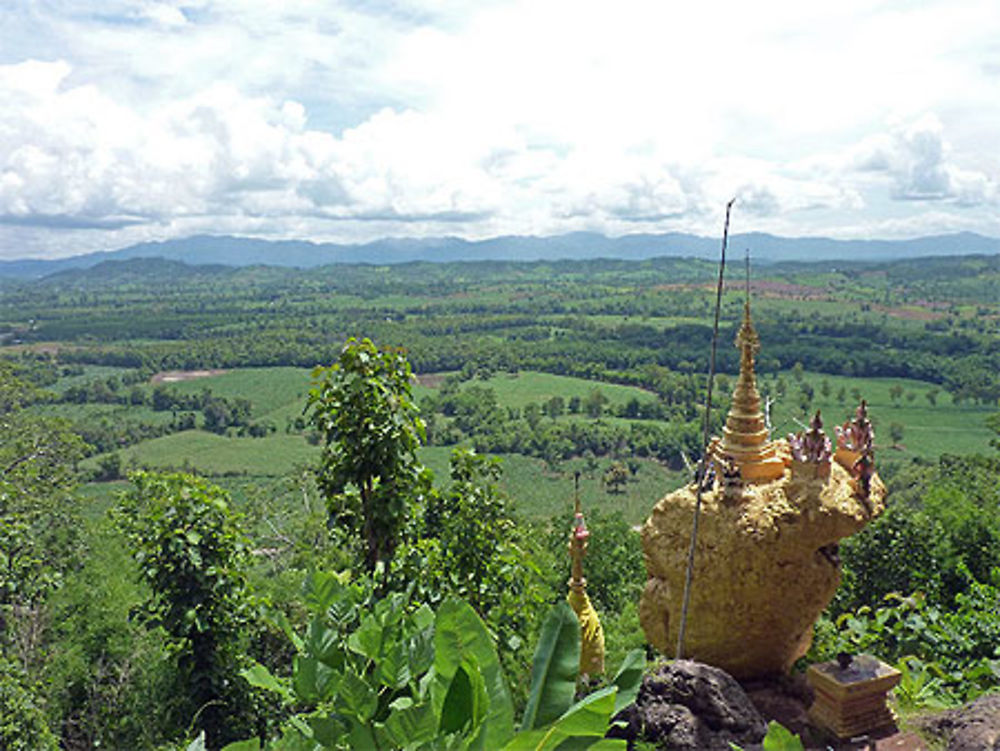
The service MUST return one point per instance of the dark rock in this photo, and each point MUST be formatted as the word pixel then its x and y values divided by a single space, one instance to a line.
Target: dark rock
pixel 687 705
pixel 974 727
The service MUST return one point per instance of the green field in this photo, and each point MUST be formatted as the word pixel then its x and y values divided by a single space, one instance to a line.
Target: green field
pixel 534 487
pixel 540 492
pixel 928 431
pixel 521 389
pixel 273 392
pixel 211 454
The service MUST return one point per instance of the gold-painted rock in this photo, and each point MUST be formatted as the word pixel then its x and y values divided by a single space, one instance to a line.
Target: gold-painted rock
pixel 765 567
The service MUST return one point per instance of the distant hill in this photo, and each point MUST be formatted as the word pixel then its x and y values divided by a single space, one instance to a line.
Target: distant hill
pixel 240 251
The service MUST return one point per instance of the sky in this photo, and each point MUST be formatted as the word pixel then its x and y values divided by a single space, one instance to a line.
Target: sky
pixel 122 122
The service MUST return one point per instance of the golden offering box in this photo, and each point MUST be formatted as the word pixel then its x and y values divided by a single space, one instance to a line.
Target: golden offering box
pixel 851 700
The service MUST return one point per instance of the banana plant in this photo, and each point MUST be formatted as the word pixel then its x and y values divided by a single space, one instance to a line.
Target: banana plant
pixel 424 681
pixel 551 718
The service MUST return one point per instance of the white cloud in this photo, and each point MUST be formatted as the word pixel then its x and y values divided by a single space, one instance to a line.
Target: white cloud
pixel 348 120
pixel 919 161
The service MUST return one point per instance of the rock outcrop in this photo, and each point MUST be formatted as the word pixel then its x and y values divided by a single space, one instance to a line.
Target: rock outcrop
pixel 764 568
pixel 974 727
pixel 688 706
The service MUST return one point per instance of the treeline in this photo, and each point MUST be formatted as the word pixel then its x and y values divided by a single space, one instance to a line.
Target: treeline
pixel 602 320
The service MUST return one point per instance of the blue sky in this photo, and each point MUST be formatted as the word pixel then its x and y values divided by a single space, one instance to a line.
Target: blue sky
pixel 346 121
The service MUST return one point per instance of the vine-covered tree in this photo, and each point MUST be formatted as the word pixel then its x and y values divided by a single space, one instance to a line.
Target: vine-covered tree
pixel 193 555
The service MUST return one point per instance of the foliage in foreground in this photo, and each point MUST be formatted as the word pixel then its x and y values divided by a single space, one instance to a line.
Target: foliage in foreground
pixel 426 680
pixel 193 556
pixel 22 722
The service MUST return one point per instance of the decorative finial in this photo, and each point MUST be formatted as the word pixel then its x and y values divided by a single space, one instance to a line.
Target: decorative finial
pixel 748 275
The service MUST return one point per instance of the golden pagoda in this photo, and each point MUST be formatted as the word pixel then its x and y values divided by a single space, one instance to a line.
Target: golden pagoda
pixel 745 438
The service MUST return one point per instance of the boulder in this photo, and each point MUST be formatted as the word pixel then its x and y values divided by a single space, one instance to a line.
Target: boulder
pixel 973 727
pixel 689 706
pixel 765 566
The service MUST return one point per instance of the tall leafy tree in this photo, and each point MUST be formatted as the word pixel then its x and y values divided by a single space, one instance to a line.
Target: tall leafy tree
pixel 364 409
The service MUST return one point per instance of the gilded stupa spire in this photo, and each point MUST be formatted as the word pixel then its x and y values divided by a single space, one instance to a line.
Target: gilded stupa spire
pixel 591 632
pixel 745 438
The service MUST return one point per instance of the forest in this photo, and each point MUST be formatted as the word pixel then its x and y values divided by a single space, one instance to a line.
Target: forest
pixel 272 508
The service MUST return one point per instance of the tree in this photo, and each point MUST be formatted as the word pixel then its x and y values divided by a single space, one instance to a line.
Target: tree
pixel 554 407
pixel 895 392
pixel 895 432
pixel 615 477
pixel 38 532
pixel 593 405
pixel 932 395
pixel 468 545
pixel 371 428
pixel 193 555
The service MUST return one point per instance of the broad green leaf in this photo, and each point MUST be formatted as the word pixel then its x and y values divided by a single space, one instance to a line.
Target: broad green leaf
pixel 527 740
pixel 423 617
pixel 394 667
pixel 420 651
pixel 460 636
pixel 367 640
pixel 554 669
pixel 411 725
pixel 357 696
pixel 604 744
pixel 581 727
pixel 312 680
pixel 590 715
pixel 465 703
pixel 780 738
pixel 628 679
pixel 362 736
pixel 260 677
pixel 198 744
pixel 251 744
pixel 319 591
pixel 328 731
pixel 323 643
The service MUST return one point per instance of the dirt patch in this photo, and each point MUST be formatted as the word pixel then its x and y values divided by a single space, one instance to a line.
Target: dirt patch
pixel 914 312
pixel 173 376
pixel 431 380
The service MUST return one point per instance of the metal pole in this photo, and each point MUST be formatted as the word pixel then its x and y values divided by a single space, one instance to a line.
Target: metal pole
pixel 702 465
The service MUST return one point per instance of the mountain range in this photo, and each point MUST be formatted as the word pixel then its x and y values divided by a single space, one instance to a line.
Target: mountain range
pixel 764 248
